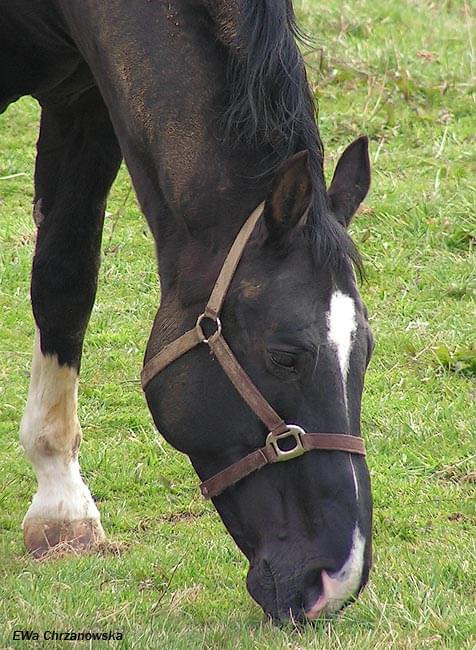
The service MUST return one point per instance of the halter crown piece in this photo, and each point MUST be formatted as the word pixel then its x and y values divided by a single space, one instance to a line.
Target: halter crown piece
pixel 273 451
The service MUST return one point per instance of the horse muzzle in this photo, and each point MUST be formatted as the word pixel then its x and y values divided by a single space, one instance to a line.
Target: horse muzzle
pixel 291 593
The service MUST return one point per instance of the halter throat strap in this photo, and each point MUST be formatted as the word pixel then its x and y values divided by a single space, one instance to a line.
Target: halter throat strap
pixel 272 451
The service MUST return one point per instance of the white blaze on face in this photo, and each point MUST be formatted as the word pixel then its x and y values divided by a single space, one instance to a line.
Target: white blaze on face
pixel 354 475
pixel 342 325
pixel 50 434
pixel 340 586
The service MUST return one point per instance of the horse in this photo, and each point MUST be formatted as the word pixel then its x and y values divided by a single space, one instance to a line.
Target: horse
pixel 208 103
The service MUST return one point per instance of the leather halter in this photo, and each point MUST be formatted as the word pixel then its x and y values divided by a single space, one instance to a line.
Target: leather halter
pixel 272 451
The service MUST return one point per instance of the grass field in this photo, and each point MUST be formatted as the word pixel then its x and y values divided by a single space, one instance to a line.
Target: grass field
pixel 402 71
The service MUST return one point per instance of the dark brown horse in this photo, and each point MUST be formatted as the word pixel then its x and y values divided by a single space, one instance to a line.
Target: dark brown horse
pixel 208 103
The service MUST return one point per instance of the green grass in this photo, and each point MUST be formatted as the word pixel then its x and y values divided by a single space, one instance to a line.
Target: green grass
pixel 402 71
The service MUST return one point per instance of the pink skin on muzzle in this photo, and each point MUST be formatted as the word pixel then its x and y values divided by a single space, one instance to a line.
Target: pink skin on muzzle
pixel 329 600
pixel 340 586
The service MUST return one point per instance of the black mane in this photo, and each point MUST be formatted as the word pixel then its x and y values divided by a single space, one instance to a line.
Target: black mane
pixel 270 103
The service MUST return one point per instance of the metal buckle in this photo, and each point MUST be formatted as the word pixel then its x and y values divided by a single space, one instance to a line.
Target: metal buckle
pixel 286 454
pixel 200 332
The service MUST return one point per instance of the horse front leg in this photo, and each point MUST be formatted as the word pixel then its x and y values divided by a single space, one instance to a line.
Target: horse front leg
pixel 78 159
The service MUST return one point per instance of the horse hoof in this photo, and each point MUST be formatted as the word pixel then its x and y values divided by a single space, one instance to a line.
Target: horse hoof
pixel 47 537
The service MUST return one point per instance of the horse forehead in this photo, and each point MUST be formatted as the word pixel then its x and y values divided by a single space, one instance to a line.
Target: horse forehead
pixel 342 323
pixel 296 278
pixel 342 311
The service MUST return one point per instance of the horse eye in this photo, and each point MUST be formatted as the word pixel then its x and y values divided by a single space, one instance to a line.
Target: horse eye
pixel 283 359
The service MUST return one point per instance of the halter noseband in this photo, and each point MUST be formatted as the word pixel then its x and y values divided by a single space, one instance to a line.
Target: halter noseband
pixel 272 452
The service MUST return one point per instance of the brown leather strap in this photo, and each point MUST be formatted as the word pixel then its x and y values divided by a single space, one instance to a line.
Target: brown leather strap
pixel 245 386
pixel 333 442
pixel 193 337
pixel 267 455
pixel 215 302
pixel 169 353
pixel 234 473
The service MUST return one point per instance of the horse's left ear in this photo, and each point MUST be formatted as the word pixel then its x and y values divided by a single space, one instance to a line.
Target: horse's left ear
pixel 351 181
pixel 290 196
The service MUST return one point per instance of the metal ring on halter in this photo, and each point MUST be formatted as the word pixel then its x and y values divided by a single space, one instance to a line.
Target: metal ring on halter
pixel 200 332
pixel 293 432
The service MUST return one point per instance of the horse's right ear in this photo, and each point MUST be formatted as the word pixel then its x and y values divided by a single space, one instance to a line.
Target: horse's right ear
pixel 351 181
pixel 290 197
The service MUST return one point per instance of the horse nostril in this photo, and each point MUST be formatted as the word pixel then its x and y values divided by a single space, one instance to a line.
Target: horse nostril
pixel 312 588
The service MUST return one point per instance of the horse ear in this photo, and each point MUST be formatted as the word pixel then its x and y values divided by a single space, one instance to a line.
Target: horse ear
pixel 351 181
pixel 290 196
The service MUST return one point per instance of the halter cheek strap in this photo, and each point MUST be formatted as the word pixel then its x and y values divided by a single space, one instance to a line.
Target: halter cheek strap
pixel 274 450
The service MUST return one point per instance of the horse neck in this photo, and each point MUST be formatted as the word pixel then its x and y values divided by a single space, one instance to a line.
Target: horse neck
pixel 162 73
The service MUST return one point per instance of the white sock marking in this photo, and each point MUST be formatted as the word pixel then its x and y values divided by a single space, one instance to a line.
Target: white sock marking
pixel 50 434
